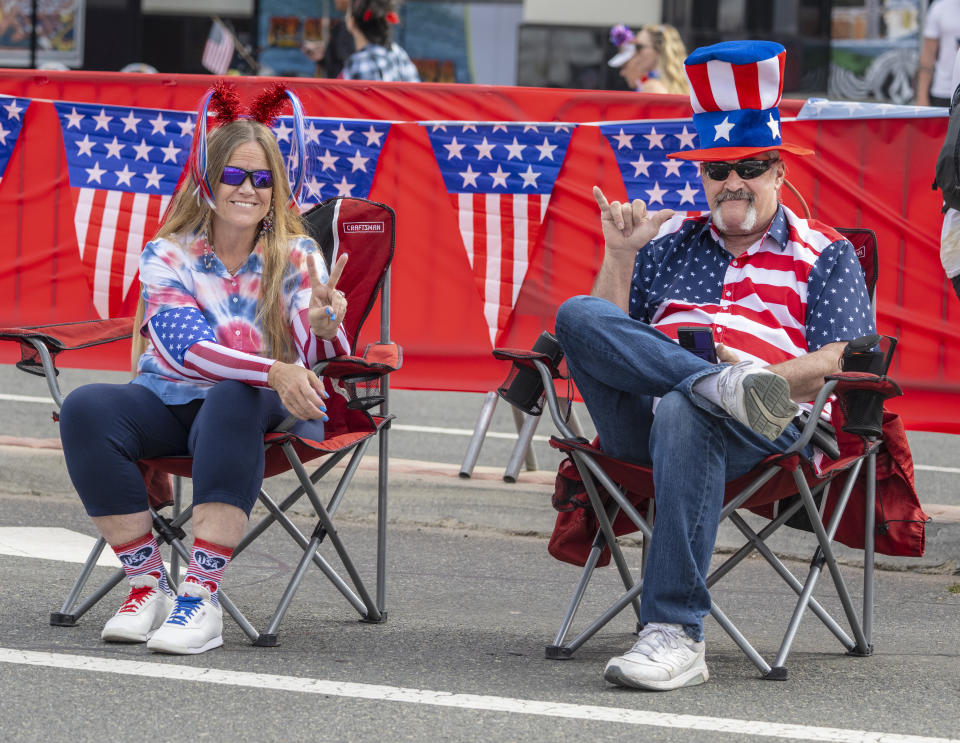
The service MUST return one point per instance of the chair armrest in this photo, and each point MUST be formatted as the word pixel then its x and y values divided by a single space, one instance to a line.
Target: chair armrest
pixel 525 357
pixel 378 360
pixel 40 344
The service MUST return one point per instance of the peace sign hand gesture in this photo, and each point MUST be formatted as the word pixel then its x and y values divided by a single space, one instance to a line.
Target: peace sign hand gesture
pixel 328 305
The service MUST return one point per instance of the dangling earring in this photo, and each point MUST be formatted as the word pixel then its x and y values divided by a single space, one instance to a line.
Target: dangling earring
pixel 266 225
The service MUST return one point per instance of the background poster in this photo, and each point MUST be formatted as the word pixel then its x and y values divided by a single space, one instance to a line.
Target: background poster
pixel 59 32
pixel 874 51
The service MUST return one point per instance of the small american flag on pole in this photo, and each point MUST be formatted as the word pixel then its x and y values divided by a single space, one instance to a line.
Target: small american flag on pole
pixel 218 51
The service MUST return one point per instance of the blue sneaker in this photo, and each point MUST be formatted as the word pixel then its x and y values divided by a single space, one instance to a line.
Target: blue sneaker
pixel 195 624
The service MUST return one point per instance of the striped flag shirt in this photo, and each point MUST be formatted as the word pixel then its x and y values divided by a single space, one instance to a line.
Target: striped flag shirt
pixel 500 178
pixel 202 321
pixel 798 288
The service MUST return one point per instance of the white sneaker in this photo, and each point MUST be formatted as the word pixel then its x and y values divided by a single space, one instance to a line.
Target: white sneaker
pixel 663 658
pixel 757 397
pixel 143 611
pixel 195 624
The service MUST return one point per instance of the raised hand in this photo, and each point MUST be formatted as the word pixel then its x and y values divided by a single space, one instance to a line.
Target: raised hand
pixel 328 305
pixel 627 227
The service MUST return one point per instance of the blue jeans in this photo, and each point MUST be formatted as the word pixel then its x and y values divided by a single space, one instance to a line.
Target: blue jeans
pixel 694 447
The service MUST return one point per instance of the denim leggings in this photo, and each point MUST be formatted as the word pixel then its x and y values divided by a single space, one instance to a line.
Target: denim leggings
pixel 619 365
pixel 107 428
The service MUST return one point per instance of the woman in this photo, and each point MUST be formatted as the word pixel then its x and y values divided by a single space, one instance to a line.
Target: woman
pixel 377 57
pixel 651 61
pixel 236 307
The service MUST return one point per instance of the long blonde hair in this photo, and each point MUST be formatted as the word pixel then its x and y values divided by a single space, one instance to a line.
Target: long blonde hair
pixel 671 50
pixel 190 215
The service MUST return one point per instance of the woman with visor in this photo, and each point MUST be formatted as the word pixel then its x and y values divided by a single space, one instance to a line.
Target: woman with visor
pixel 650 61
pixel 236 307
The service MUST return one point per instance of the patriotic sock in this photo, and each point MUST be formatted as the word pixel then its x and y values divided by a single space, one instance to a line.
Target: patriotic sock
pixel 142 557
pixel 207 563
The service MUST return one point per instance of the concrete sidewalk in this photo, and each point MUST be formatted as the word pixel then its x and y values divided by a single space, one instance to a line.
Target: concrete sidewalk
pixel 433 494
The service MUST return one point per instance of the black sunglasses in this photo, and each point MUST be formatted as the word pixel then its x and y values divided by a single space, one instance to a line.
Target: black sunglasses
pixel 746 169
pixel 236 176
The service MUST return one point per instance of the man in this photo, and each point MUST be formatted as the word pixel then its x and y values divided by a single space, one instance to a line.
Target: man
pixel 950 233
pixel 780 295
pixel 941 40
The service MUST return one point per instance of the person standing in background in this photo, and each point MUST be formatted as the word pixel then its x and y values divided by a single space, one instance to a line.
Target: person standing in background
pixel 330 54
pixel 377 56
pixel 950 233
pixel 651 61
pixel 941 40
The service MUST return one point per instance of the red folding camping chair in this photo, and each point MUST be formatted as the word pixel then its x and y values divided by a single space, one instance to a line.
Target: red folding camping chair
pixel 862 496
pixel 357 384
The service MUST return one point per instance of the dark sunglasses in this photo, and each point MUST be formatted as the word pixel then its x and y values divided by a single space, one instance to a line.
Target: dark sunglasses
pixel 236 176
pixel 746 169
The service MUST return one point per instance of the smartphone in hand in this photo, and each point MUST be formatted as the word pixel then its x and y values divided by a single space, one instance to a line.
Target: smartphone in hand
pixel 699 341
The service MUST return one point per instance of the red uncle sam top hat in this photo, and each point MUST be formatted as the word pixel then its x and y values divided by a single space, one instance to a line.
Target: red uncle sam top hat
pixel 735 87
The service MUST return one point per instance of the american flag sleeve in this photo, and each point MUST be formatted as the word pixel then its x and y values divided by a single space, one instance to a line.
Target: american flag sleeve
pixel 312 348
pixel 187 343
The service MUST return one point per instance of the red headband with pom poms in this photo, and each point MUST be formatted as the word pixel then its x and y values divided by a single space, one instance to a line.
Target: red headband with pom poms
pixel 224 100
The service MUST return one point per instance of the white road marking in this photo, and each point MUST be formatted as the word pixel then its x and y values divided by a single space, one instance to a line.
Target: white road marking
pixel 508 705
pixel 27 398
pixel 459 432
pixel 51 543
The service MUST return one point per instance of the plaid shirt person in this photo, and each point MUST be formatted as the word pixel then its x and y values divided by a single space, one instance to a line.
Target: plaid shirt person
pixel 375 62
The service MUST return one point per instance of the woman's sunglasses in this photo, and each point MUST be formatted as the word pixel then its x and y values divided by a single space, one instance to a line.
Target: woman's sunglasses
pixel 746 169
pixel 236 176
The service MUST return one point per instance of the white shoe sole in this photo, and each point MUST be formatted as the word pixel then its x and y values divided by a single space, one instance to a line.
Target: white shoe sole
pixel 160 646
pixel 618 672
pixel 121 635
pixel 766 398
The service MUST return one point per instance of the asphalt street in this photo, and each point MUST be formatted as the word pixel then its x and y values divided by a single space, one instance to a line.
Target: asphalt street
pixel 472 598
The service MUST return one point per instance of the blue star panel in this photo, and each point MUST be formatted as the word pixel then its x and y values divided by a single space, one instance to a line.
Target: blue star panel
pixel 641 149
pixel 135 150
pixel 499 158
pixel 342 155
pixel 11 121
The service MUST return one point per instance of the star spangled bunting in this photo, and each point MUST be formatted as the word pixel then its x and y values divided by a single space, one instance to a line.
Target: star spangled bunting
pixel 124 164
pixel 641 149
pixel 500 178
pixel 342 155
pixel 12 111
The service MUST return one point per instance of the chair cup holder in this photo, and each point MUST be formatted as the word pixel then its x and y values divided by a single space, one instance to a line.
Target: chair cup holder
pixel 870 355
pixel 864 413
pixel 364 391
pixel 523 387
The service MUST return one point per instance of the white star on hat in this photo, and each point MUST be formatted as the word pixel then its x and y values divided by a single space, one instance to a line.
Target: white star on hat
pixel 774 127
pixel 723 129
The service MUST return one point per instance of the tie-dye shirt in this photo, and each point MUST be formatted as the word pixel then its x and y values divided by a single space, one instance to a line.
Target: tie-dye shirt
pixel 201 321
